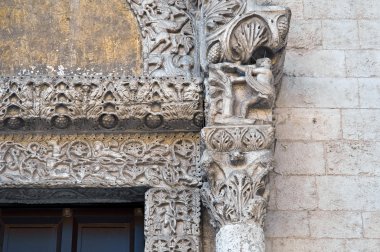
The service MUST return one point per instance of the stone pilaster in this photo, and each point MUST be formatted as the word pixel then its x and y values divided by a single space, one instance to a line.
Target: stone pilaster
pixel 172 220
pixel 243 55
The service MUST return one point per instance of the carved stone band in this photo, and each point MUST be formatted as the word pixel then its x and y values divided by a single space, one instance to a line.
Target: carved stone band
pixel 125 160
pixel 172 219
pixel 242 138
pixel 84 103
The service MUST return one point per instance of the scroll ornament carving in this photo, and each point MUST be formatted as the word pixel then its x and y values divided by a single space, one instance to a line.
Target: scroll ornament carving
pixel 100 103
pixel 172 219
pixel 168 36
pixel 165 160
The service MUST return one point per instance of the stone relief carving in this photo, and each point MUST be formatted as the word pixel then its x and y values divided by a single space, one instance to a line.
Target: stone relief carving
pixel 100 103
pixel 242 55
pixel 165 160
pixel 168 35
pixel 234 190
pixel 235 90
pixel 172 219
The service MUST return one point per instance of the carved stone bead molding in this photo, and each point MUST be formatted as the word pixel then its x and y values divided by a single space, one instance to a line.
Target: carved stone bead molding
pixel 167 28
pixel 81 103
pixel 172 220
pixel 125 160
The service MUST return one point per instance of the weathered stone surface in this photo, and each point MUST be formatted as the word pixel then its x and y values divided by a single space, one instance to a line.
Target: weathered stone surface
pixel 363 63
pixel 308 124
pixel 369 92
pixel 306 92
pixel 66 37
pixel 299 158
pixel 296 193
pixel 287 224
pixel 340 34
pixel 353 158
pixel 305 34
pixel 307 245
pixel 371 224
pixel 240 237
pixel 361 124
pixel 348 193
pixel 123 160
pixel 315 63
pixel 333 224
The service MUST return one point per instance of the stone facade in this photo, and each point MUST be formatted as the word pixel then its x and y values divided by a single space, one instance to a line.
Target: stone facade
pixel 325 189
pixel 93 132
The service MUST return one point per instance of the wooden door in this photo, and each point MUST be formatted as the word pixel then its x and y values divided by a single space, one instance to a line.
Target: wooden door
pixel 71 229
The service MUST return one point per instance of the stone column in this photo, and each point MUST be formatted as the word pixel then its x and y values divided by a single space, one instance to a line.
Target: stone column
pixel 243 55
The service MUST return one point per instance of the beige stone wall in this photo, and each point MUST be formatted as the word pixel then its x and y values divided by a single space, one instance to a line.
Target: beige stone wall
pixel 326 187
pixel 325 191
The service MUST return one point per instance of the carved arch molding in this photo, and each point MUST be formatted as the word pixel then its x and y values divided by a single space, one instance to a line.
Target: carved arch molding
pixel 210 66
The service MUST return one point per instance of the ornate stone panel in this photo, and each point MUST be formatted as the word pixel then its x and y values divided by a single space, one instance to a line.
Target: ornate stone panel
pixel 172 220
pixel 167 28
pixel 122 160
pixel 93 103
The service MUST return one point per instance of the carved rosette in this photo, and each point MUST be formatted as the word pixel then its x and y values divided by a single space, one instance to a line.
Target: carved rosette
pixel 172 220
pixel 242 56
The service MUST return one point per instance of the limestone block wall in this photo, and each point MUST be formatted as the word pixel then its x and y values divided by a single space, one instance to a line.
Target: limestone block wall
pixel 326 187
pixel 325 191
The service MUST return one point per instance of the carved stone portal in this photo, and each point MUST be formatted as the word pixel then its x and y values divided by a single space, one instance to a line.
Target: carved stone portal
pixel 113 132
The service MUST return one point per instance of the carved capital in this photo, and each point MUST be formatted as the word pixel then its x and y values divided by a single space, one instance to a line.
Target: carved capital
pixel 172 219
pixel 236 176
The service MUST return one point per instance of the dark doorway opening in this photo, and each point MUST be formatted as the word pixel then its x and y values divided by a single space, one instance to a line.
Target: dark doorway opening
pixel 72 228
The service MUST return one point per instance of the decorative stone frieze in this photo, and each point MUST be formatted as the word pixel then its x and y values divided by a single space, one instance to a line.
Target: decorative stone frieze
pixel 123 160
pixel 242 55
pixel 169 41
pixel 172 220
pixel 93 103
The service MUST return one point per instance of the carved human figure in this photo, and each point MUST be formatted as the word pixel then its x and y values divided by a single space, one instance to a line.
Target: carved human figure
pixel 258 77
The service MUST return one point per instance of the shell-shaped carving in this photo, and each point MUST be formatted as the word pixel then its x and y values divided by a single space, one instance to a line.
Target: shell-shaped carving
pixel 214 53
pixel 249 33
pixel 283 28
